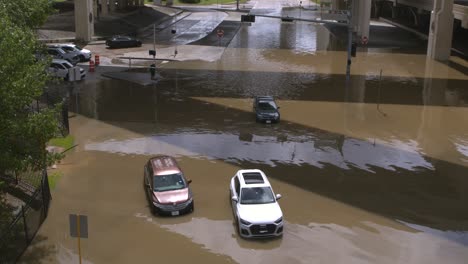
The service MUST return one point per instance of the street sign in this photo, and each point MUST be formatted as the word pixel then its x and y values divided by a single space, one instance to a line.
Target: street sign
pixel 364 40
pixel 79 229
pixel 74 74
pixel 78 226
pixel 220 33
pixel 152 52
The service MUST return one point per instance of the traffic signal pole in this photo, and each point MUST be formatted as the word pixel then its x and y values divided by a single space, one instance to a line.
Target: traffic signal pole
pixel 154 43
pixel 350 39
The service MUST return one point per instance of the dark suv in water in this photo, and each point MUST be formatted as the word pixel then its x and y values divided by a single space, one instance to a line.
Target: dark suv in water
pixel 266 109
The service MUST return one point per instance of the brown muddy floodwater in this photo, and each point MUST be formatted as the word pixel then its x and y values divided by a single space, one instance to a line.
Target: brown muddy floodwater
pixel 365 179
pixel 370 171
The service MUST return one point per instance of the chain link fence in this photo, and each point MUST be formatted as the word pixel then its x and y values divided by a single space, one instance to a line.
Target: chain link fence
pixel 52 96
pixel 15 237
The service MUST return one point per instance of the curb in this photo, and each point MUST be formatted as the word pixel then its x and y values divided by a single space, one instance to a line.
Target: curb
pixel 419 34
pixel 60 40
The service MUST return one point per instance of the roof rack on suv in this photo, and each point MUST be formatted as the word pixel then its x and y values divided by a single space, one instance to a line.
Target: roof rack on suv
pixel 252 178
pixel 265 97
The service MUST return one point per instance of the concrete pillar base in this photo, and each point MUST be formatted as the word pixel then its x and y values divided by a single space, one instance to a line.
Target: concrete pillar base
pixel 365 8
pixel 84 20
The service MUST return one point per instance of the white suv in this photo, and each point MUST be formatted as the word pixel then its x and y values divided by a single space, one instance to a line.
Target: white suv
pixel 254 205
pixel 83 54
pixel 58 53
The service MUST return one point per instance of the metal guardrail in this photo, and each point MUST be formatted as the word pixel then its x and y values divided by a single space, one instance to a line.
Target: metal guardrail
pixel 461 12
pixel 142 58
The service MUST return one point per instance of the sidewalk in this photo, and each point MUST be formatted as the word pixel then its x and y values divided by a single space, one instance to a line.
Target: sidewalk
pixel 61 27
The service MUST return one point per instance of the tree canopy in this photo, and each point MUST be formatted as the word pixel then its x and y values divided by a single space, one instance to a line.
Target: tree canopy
pixel 27 13
pixel 23 133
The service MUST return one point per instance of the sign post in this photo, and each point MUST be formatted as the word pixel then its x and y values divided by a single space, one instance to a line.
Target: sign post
pixel 78 229
pixel 220 34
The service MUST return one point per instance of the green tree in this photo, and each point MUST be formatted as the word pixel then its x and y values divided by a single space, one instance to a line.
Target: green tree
pixel 23 133
pixel 27 14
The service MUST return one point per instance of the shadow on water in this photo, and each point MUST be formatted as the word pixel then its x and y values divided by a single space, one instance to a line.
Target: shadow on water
pixel 177 85
pixel 399 183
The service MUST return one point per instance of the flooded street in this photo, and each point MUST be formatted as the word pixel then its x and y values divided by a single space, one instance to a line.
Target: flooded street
pixel 373 170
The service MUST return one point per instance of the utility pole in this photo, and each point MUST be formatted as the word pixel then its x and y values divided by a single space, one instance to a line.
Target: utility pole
pixel 350 39
pixel 154 44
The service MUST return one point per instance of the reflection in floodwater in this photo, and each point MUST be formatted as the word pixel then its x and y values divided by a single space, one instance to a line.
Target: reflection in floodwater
pixel 462 146
pixel 270 150
pixel 460 237
pixel 311 243
pixel 298 37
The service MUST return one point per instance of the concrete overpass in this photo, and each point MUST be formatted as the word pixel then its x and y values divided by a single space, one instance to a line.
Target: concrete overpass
pixel 443 13
pixel 460 8
pixel 86 11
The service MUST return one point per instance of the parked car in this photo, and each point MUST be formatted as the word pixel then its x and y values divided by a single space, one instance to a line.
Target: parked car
pixel 60 69
pixel 254 205
pixel 58 53
pixel 83 54
pixel 123 42
pixel 266 109
pixel 166 186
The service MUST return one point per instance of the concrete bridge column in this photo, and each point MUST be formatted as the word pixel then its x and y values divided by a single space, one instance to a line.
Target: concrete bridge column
pixel 338 5
pixel 361 17
pixel 96 10
pixel 84 20
pixel 355 15
pixel 104 7
pixel 365 7
pixel 441 30
pixel 111 6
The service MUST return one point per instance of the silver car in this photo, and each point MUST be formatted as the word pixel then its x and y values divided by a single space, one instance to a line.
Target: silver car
pixel 60 69
pixel 83 54
pixel 58 53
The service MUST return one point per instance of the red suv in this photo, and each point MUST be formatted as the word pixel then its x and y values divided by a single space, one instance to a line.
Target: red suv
pixel 166 187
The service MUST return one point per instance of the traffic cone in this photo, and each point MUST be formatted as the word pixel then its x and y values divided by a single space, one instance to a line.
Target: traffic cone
pixel 91 66
pixel 97 60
